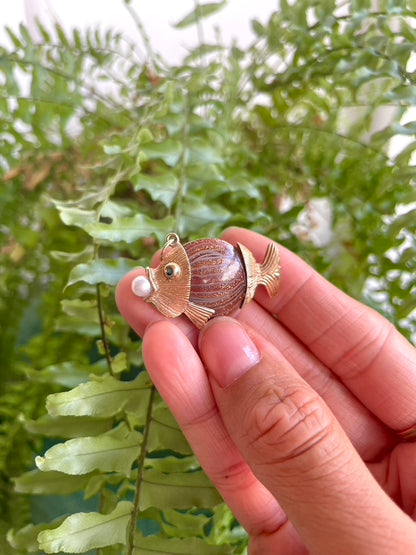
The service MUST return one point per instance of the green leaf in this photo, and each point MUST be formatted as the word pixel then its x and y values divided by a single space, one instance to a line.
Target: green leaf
pixel 198 214
pixel 77 38
pixel 200 12
pixel 103 397
pixel 68 426
pixel 162 188
pixel 114 451
pixel 68 374
pixel 144 136
pixel 27 537
pixel 403 94
pixel 13 37
pixel 258 28
pixel 71 215
pixel 199 174
pixel 406 129
pixel 223 529
pixel 168 437
pixel 112 150
pixel 201 51
pixel 78 324
pixel 85 309
pixel 73 257
pixel 202 151
pixel 166 434
pixel 406 220
pixel 85 202
pixel 170 150
pixel 81 532
pixel 173 122
pixel 114 210
pixel 109 271
pixel 180 524
pixel 177 491
pixel 49 483
pixel 62 36
pixel 119 363
pixel 131 229
pixel 169 464
pixel 97 483
pixel 152 545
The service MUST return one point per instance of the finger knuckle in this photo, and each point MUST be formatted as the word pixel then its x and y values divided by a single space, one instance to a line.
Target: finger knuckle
pixel 288 424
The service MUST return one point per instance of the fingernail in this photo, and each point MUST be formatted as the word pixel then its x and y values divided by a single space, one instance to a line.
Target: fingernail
pixel 227 350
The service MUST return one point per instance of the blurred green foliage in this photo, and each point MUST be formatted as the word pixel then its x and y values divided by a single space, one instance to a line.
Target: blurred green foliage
pixel 102 154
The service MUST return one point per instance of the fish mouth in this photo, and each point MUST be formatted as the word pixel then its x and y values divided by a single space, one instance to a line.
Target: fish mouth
pixel 151 277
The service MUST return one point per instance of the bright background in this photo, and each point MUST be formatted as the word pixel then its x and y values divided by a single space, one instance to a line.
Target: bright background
pixel 158 17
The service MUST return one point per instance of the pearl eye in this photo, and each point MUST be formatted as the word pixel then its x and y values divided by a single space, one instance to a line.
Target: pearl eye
pixel 172 270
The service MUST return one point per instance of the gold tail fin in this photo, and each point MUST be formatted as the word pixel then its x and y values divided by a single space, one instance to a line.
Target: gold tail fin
pixel 270 270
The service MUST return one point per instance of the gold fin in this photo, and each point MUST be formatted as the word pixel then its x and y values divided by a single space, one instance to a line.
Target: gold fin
pixel 199 315
pixel 171 294
pixel 270 270
pixel 252 270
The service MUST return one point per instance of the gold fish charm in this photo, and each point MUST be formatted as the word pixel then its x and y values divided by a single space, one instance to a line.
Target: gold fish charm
pixel 206 278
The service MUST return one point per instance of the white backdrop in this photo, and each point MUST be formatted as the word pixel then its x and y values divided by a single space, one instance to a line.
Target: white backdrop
pixel 157 16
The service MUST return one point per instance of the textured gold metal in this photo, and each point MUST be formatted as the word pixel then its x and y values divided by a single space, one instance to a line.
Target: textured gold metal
pixel 270 270
pixel 171 240
pixel 267 273
pixel 199 315
pixel 252 273
pixel 209 277
pixel 171 293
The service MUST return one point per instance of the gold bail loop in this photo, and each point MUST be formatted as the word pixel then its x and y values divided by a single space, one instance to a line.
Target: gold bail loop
pixel 171 239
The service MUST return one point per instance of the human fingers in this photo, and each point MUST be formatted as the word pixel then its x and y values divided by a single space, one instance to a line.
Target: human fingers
pixel 180 378
pixel 139 314
pixel 397 472
pixel 369 436
pixel 360 346
pixel 297 449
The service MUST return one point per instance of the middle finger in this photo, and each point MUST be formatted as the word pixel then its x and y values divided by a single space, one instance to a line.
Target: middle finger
pixel 370 437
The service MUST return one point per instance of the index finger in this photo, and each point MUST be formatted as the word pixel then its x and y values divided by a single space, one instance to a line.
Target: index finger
pixel 366 352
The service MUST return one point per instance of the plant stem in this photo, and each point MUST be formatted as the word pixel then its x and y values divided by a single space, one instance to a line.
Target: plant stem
pixel 199 27
pixel 140 470
pixel 103 332
pixel 181 191
pixel 143 34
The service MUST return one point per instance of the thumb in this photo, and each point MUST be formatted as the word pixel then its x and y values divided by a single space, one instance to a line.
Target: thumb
pixel 296 448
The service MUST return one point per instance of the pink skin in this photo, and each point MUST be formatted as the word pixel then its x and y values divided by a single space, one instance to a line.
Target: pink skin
pixel 293 419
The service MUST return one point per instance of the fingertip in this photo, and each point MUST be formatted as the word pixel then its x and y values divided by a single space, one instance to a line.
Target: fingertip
pixel 227 350
pixel 175 368
pixel 124 292
pixel 140 314
pixel 156 333
pixel 163 328
pixel 135 310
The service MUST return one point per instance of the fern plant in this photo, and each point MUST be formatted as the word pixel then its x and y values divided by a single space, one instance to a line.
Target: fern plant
pixel 94 177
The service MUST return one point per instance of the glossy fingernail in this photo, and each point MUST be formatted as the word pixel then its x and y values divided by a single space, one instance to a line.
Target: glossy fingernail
pixel 227 350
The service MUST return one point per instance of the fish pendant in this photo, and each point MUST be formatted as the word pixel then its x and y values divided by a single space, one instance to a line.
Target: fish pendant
pixel 206 278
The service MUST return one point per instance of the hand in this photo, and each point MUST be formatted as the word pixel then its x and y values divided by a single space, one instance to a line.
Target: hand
pixel 293 418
